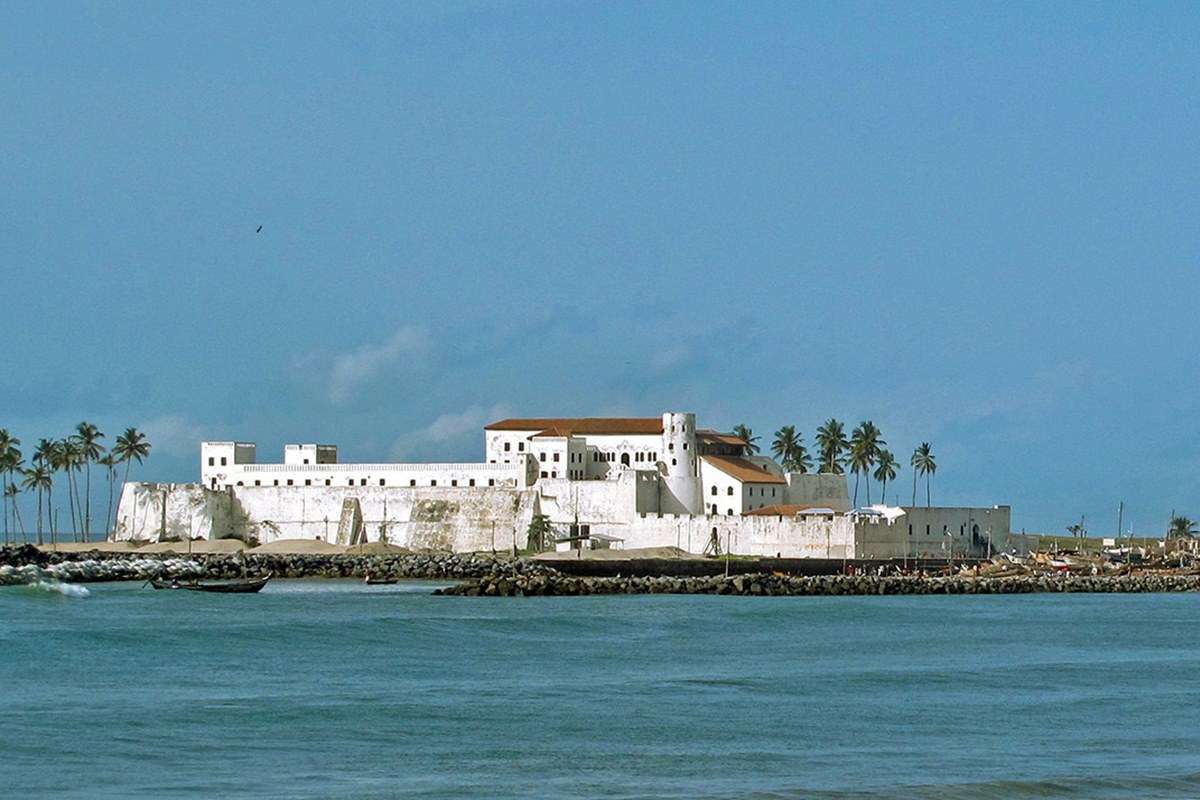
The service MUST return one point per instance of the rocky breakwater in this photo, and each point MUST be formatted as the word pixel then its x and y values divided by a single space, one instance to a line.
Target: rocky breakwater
pixel 550 583
pixel 93 566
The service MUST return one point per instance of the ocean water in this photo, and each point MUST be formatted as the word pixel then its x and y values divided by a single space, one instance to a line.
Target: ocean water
pixel 336 689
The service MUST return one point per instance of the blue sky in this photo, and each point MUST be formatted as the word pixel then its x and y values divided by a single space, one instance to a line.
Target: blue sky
pixel 972 224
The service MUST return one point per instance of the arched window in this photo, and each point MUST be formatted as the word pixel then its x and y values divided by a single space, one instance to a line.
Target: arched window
pixel 714 511
pixel 625 459
pixel 729 490
pixel 729 512
pixel 714 490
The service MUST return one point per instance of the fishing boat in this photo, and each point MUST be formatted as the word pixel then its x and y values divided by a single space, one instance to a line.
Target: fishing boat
pixel 248 586
pixel 380 580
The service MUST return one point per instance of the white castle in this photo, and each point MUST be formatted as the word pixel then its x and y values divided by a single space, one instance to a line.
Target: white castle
pixel 600 482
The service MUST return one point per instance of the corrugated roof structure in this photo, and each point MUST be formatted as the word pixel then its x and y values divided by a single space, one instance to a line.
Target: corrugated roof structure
pixel 596 426
pixel 743 469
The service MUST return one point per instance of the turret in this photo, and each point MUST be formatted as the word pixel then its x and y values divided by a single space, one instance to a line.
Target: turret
pixel 681 481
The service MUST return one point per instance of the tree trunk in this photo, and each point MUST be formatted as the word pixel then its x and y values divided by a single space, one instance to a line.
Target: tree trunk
pixel 39 529
pixel 915 470
pixel 87 503
pixel 928 476
pixel 883 492
pixel 856 488
pixel 108 514
pixel 20 523
pixel 71 504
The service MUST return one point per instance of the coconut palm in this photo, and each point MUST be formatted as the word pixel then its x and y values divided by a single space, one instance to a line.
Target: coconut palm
pixel 39 479
pixel 89 437
pixel 885 471
pixel 923 464
pixel 831 444
pixel 10 462
pixel 788 448
pixel 10 494
pixel 130 446
pixel 109 462
pixel 1181 528
pixel 747 436
pixel 69 458
pixel 865 446
pixel 45 454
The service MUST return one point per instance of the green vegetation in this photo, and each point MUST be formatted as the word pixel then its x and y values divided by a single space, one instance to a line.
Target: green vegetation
pixel 747 436
pixel 539 536
pixel 70 456
pixel 789 450
pixel 923 464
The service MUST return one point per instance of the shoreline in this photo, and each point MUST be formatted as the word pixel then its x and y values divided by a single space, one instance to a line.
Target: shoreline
pixel 485 575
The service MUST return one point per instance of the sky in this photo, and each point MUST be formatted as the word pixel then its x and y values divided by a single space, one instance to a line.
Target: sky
pixel 974 224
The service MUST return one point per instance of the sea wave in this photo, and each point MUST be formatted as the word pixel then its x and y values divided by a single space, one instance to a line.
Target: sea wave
pixel 1116 787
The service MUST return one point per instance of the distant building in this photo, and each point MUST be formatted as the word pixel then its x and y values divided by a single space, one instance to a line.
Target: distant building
pixel 602 481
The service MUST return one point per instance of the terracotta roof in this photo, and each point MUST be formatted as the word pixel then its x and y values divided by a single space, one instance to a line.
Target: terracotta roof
pixel 551 432
pixel 786 510
pixel 708 435
pixel 648 426
pixel 743 469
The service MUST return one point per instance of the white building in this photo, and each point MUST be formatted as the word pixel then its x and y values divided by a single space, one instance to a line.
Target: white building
pixel 632 482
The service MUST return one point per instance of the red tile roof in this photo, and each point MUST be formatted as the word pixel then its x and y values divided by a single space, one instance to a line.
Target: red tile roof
pixel 743 469
pixel 787 510
pixel 640 426
pixel 716 437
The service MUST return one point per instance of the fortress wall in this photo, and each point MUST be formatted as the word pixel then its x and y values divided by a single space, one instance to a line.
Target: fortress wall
pixel 459 519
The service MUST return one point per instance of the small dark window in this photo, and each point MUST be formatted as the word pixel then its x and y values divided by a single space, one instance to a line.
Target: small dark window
pixel 521 447
pixel 926 530
pixel 507 446
pixel 556 458
pixel 307 482
pixel 240 483
pixel 491 481
pixel 412 483
pixel 276 481
pixel 454 482
pixel 729 512
pixel 306 461
pixel 212 462
pixel 714 490
pixel 328 481
pixel 545 474
pixel 685 445
pixel 471 482
pixel 672 462
pixel 223 461
pixel 910 529
pixel 433 483
pixel 258 483
pixel 382 482
pixel 729 490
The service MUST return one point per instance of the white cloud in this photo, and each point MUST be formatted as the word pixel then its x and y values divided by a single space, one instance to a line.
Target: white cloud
pixel 173 434
pixel 448 428
pixel 352 369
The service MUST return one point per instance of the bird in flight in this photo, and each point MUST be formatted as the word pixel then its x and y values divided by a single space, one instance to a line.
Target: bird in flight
pixel 259 229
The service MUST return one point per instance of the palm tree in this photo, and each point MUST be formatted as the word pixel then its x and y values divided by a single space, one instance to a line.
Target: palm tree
pixel 130 446
pixel 10 462
pixel 865 446
pixel 747 436
pixel 46 455
pixel 788 448
pixel 109 462
pixel 10 493
pixel 89 437
pixel 1181 528
pixel 885 471
pixel 923 464
pixel 69 454
pixel 40 480
pixel 831 443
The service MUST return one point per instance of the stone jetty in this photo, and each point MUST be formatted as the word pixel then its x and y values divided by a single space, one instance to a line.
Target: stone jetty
pixel 96 566
pixel 503 583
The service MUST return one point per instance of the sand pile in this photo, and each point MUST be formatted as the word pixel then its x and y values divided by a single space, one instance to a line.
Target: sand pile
pixel 200 546
pixel 83 547
pixel 299 547
pixel 616 555
pixel 377 549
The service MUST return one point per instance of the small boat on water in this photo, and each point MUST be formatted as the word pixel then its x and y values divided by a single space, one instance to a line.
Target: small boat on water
pixel 248 586
pixel 380 580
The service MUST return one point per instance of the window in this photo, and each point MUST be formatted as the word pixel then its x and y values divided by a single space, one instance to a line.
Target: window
pixel 772 491
pixel 211 461
pixel 214 485
pixel 276 481
pixel 714 490
pixel 685 445
pixel 541 456
pixel 962 530
pixel 545 474
pixel 672 462
pixel 362 482
pixel 714 509
pixel 306 461
pixel 910 529
pixel 350 481
pixel 595 455
pixel 239 483
pixel 258 483
pixel 671 446
pixel 454 482
pixel 433 483
pixel 729 490
pixel 307 482
pixel 926 530
pixel 328 481
pixel 507 446
pixel 223 461
pixel 491 481
pixel 729 512
pixel 412 482
pixel 520 447
pixel 556 458
pixel 471 482
pixel 382 482
pixel 553 473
